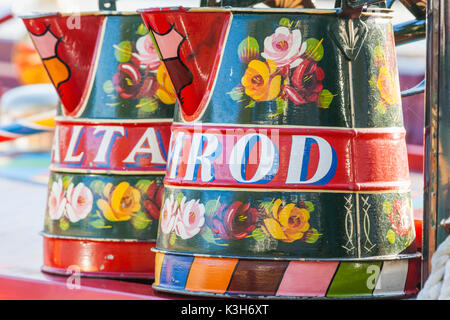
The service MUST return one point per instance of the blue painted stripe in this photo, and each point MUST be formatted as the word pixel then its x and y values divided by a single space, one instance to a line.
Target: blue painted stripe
pixel 18 128
pixel 175 271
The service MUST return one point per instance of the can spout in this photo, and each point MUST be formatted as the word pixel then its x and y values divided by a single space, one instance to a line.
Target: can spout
pixel 190 44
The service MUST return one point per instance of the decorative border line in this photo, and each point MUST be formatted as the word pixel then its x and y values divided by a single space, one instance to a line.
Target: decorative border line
pixel 184 187
pixel 229 277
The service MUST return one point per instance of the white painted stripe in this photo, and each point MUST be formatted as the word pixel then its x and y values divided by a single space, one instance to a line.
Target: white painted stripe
pixel 392 278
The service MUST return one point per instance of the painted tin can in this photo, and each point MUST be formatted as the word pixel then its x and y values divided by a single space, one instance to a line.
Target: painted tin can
pixel 110 145
pixel 288 173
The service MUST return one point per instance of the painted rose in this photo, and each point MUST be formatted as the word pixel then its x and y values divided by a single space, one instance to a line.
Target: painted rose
pixel 56 201
pixel 166 92
pixel 155 194
pixel 190 218
pixel 168 215
pixel 307 82
pixel 284 47
pixel 387 86
pixel 401 217
pixel 261 82
pixel 288 223
pixel 147 54
pixel 236 222
pixel 79 202
pixel 121 202
pixel 130 84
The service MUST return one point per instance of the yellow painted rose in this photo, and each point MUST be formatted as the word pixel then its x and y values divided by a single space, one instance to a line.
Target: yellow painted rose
pixel 387 86
pixel 260 81
pixel 166 92
pixel 121 203
pixel 288 223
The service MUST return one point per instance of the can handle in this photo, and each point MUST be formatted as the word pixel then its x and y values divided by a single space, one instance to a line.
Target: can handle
pixel 411 31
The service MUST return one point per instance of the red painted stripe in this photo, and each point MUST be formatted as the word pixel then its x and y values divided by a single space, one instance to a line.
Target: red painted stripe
pixel 100 258
pixel 367 160
pixel 413 278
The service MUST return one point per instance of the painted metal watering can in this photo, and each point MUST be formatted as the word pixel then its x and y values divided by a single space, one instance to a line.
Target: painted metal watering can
pixel 111 136
pixel 287 170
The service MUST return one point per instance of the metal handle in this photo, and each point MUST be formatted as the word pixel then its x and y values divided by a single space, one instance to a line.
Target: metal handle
pixel 411 31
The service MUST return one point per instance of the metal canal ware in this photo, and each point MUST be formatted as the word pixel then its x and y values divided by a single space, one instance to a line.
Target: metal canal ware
pixel 288 174
pixel 110 145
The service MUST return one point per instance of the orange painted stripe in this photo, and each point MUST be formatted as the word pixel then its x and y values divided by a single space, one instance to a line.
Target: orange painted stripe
pixel 210 275
pixel 159 258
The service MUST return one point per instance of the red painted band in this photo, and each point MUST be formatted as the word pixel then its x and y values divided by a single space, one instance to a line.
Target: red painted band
pixel 125 147
pixel 114 259
pixel 288 158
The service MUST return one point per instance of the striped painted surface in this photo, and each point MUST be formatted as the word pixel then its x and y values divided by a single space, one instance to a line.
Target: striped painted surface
pixel 36 124
pixel 201 275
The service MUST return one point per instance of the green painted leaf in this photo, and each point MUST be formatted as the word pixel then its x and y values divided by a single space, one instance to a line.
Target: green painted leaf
pixel 123 51
pixel 97 186
pixel 142 30
pixel 172 238
pixel 391 236
pixel 267 205
pixel 311 236
pixel 143 185
pixel 98 224
pixel 108 87
pixel 140 221
pixel 64 224
pixel 309 206
pixel 251 104
pixel 211 207
pixel 258 234
pixel 248 50
pixel 179 198
pixel 281 106
pixel 285 22
pixel 237 93
pixel 148 104
pixel 387 207
pixel 314 49
pixel 66 180
pixel 325 98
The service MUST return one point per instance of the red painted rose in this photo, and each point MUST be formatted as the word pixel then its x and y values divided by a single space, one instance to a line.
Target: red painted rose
pixel 307 83
pixel 130 84
pixel 236 222
pixel 401 217
pixel 153 204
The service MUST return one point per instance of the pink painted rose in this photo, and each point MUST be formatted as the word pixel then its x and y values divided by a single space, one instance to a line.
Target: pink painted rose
pixel 79 202
pixel 168 215
pixel 191 217
pixel 401 217
pixel 147 53
pixel 284 47
pixel 56 201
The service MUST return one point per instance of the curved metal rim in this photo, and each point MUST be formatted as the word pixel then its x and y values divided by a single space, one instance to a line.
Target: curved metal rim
pixel 54 236
pixel 262 297
pixel 381 12
pixel 340 259
pixel 101 274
